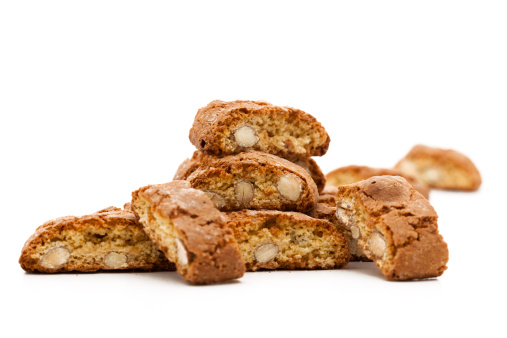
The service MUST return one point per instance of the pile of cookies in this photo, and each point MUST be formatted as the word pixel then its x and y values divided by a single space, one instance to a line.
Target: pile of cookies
pixel 251 197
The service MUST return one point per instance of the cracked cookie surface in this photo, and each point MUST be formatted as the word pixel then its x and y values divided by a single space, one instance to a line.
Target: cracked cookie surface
pixel 270 239
pixel 110 239
pixel 226 128
pixel 355 173
pixel 441 168
pixel 395 226
pixel 255 180
pixel 190 231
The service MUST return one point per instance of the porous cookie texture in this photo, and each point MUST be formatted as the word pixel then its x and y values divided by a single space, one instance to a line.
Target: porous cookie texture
pixel 226 128
pixel 110 239
pixel 270 239
pixel 255 180
pixel 441 168
pixel 355 173
pixel 328 213
pixel 200 158
pixel 190 231
pixel 395 226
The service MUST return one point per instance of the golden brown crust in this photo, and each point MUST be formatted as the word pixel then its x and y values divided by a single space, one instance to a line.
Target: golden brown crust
pixel 354 173
pixel 214 127
pixel 398 227
pixel 212 252
pixel 441 168
pixel 304 242
pixel 199 159
pixel 96 229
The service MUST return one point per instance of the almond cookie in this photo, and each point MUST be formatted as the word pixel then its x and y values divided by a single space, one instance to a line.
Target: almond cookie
pixel 110 239
pixel 255 180
pixel 270 239
pixel 226 128
pixel 354 173
pixel 190 231
pixel 328 213
pixel 441 168
pixel 395 226
pixel 199 159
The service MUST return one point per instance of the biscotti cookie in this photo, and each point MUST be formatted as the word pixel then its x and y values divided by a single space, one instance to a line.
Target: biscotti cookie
pixel 255 180
pixel 199 159
pixel 190 231
pixel 110 239
pixel 441 168
pixel 226 128
pixel 270 239
pixel 354 173
pixel 328 213
pixel 395 226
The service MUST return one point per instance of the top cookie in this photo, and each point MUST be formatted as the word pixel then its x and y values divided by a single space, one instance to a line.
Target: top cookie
pixel 226 128
pixel 441 168
pixel 355 173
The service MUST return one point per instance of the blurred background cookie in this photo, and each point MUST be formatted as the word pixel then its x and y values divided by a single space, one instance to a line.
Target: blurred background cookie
pixel 441 168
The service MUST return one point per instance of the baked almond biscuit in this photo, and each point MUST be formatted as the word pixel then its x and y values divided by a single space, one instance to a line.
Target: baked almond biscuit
pixel 255 180
pixel 441 168
pixel 328 213
pixel 110 239
pixel 354 173
pixel 199 159
pixel 226 128
pixel 395 226
pixel 190 231
pixel 270 239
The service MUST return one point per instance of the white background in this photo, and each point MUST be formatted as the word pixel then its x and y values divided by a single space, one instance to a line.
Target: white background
pixel 97 98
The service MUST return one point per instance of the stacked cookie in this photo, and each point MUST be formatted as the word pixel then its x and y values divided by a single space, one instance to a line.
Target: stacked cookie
pixel 251 197
pixel 254 162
